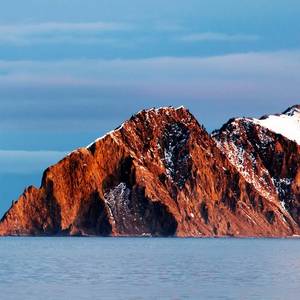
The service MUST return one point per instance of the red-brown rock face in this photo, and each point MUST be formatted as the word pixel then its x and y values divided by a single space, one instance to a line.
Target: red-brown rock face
pixel 160 173
pixel 267 160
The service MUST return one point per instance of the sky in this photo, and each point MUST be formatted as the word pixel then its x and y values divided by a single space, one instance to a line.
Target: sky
pixel 71 70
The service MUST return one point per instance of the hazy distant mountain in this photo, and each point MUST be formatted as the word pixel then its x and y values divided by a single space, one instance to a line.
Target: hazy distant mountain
pixel 161 173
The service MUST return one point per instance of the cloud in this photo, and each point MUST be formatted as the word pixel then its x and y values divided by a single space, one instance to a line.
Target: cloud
pixel 219 37
pixel 62 27
pixel 27 162
pixel 59 32
pixel 99 72
pixel 88 94
pixel 25 34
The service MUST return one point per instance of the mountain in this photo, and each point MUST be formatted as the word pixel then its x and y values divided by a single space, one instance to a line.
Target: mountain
pixel 266 152
pixel 161 174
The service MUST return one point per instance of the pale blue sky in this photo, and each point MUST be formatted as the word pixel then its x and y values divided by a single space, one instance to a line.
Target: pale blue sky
pixel 70 70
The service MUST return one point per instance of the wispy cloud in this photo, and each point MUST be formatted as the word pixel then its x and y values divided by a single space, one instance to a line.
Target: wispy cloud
pixel 94 72
pixel 218 37
pixel 64 94
pixel 24 34
pixel 56 32
pixel 62 27
pixel 26 162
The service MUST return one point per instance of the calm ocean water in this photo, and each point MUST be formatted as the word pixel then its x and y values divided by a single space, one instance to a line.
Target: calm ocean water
pixel 149 268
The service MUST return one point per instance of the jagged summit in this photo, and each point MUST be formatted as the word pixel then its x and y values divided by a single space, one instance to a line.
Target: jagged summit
pixel 161 109
pixel 293 111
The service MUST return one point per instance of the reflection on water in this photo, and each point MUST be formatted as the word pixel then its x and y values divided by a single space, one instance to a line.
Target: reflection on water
pixel 149 268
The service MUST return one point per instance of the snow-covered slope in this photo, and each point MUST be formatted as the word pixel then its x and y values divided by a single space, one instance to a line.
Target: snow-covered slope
pixel 286 124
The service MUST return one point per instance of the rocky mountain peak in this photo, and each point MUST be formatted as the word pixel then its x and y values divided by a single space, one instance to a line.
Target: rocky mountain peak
pixel 293 111
pixel 266 152
pixel 147 118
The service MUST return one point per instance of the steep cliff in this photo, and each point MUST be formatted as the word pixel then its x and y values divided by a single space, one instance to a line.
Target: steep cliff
pixel 159 174
pixel 266 152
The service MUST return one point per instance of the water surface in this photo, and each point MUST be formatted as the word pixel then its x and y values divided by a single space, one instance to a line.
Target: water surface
pixel 149 268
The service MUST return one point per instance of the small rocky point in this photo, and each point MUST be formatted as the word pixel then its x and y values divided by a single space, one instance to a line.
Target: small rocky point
pixel 162 174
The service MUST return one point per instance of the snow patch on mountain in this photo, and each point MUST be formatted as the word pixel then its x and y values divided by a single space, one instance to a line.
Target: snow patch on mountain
pixel 286 124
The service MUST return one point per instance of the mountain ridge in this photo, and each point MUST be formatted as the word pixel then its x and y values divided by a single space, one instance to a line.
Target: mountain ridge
pixel 159 173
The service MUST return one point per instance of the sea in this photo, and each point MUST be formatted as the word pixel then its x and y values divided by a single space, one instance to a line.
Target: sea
pixel 47 268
